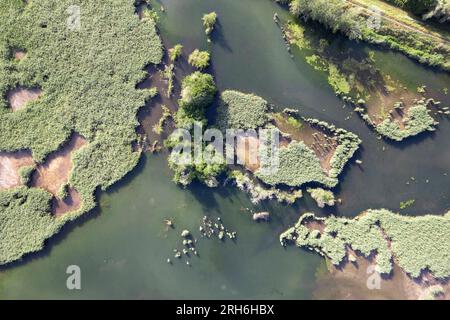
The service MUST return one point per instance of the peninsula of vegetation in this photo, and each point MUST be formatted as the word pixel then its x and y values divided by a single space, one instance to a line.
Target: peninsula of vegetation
pixel 393 106
pixel 70 87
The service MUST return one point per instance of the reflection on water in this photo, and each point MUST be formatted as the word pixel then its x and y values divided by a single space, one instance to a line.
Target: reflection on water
pixel 123 247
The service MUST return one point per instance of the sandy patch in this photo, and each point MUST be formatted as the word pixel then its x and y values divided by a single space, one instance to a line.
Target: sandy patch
pixel 10 163
pixel 19 97
pixel 247 152
pixel 54 172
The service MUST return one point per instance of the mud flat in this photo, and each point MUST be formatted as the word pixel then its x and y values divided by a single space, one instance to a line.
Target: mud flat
pixel 10 164
pixel 20 96
pixel 358 280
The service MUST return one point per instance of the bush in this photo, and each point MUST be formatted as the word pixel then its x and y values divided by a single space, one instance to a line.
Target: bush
pixel 199 59
pixel 417 243
pixel 209 21
pixel 175 52
pixel 197 92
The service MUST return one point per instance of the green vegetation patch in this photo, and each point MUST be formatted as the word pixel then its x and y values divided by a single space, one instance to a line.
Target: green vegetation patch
pixel 239 110
pixel 209 21
pixel 417 120
pixel 25 222
pixel 342 16
pixel 416 244
pixel 88 75
pixel 298 165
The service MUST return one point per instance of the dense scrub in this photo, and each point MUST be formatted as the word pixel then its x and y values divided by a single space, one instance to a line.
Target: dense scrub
pixel 416 244
pixel 242 111
pixel 88 76
pixel 420 7
pixel 197 93
pixel 199 59
pixel 209 21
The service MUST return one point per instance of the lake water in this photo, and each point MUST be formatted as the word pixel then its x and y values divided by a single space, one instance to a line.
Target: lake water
pixel 122 248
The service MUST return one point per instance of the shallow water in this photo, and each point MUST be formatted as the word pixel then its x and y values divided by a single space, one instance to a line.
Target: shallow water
pixel 123 247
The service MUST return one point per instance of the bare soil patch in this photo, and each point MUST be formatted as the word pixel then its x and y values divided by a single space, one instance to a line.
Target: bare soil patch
pixel 20 96
pixel 54 173
pixel 247 152
pixel 10 163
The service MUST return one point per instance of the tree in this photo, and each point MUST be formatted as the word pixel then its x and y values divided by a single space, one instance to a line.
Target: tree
pixel 199 59
pixel 197 92
pixel 209 21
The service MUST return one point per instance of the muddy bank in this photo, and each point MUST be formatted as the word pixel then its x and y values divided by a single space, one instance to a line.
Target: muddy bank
pixel 358 280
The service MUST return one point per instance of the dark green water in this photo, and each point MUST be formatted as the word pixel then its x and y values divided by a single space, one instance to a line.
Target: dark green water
pixel 122 248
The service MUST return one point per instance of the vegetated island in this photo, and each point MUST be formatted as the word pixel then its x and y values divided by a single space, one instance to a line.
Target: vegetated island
pixel 391 105
pixel 311 151
pixel 418 245
pixel 68 110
